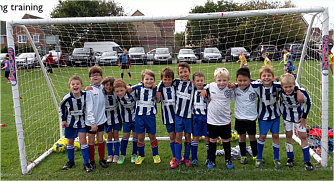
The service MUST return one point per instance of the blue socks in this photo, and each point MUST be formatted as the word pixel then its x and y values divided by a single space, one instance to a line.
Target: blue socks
pixel 260 145
pixel 154 146
pixel 178 150
pixel 172 147
pixel 276 151
pixel 116 145
pixel 289 151
pixel 70 153
pixel 194 149
pixel 141 148
pixel 110 145
pixel 85 153
pixel 134 148
pixel 124 145
pixel 186 150
pixel 306 154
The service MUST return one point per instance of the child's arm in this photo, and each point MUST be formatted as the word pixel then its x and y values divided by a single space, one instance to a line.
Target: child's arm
pixel 204 93
pixel 232 86
pixel 89 110
pixel 6 65
pixel 63 113
pixel 88 88
pixel 307 107
pixel 159 90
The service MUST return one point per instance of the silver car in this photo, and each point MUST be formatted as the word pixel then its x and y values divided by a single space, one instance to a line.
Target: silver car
pixel 137 55
pixel 108 58
pixel 26 60
pixel 186 55
pixel 211 55
pixel 162 55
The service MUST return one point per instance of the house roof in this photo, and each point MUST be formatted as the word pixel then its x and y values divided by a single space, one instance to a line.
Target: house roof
pixel 3 28
pixel 137 13
pixel 29 16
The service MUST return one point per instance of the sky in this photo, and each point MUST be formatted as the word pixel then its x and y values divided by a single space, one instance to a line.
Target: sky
pixel 147 7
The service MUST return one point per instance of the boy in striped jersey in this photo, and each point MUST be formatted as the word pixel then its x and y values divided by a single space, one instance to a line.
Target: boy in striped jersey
pixel 294 113
pixel 166 93
pixel 199 117
pixel 145 115
pixel 73 114
pixel 95 124
pixel 184 90
pixel 114 122
pixel 127 105
pixel 269 112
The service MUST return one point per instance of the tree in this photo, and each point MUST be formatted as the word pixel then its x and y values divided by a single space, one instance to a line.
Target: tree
pixel 179 40
pixel 244 31
pixel 76 34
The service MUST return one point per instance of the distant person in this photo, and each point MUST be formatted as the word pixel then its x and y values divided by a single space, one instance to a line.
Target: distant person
pixel 125 63
pixel 286 57
pixel 49 62
pixel 242 60
pixel 6 68
pixel 267 62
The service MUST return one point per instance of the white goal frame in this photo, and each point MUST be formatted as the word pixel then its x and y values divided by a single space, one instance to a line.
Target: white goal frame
pixel 216 15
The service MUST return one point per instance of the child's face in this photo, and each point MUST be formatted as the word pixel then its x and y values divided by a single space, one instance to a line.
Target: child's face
pixel 267 79
pixel 75 86
pixel 221 81
pixel 243 81
pixel 199 82
pixel 120 91
pixel 167 81
pixel 183 73
pixel 125 51
pixel 108 88
pixel 96 78
pixel 148 81
pixel 288 88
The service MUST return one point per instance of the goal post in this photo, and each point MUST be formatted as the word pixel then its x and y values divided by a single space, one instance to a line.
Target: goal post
pixel 37 93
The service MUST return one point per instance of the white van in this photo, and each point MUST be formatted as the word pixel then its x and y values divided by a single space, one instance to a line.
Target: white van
pixel 104 46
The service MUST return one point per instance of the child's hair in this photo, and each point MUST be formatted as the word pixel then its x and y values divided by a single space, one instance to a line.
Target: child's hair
pixel 119 83
pixel 287 79
pixel 167 72
pixel 286 49
pixel 198 74
pixel 147 72
pixel 183 65
pixel 265 54
pixel 95 69
pixel 74 77
pixel 244 72
pixel 267 69
pixel 221 72
pixel 109 79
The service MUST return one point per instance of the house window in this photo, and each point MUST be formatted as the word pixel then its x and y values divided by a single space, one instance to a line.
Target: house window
pixel 22 38
pixel 2 40
pixel 36 38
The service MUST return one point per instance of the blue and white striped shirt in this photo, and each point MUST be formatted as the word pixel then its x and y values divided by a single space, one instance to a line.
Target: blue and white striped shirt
pixel 292 111
pixel 146 100
pixel 184 98
pixel 73 110
pixel 112 109
pixel 127 106
pixel 200 104
pixel 167 103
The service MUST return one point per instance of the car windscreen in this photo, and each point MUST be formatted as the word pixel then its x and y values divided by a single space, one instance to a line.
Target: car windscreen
pixel 211 50
pixel 105 54
pixel 237 50
pixel 24 55
pixel 186 52
pixel 269 48
pixel 81 51
pixel 136 50
pixel 162 51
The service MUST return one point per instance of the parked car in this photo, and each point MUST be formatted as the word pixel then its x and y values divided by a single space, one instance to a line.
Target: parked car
pixel 314 51
pixel 186 55
pixel 58 58
pixel 108 58
pixel 82 56
pixel 150 55
pixel 271 51
pixel 162 55
pixel 211 55
pixel 295 50
pixel 104 46
pixel 137 55
pixel 26 60
pixel 2 57
pixel 233 53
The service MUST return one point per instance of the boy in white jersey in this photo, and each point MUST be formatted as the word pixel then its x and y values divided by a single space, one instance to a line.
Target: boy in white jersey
pixel 245 113
pixel 146 109
pixel 127 106
pixel 95 125
pixel 199 117
pixel 166 94
pixel 73 114
pixel 184 89
pixel 114 122
pixel 294 114
pixel 219 115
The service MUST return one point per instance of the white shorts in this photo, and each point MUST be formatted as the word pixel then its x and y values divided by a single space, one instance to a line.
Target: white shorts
pixel 288 126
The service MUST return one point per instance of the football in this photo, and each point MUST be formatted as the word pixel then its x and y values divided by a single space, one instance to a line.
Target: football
pixel 234 135
pixel 76 146
pixel 59 147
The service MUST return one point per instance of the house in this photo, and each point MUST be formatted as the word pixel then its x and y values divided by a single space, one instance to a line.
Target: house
pixel 3 35
pixel 156 34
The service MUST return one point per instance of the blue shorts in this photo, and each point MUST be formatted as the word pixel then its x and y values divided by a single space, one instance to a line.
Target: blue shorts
pixel 183 124
pixel 128 127
pixel 73 132
pixel 170 127
pixel 108 128
pixel 147 122
pixel 199 126
pixel 273 126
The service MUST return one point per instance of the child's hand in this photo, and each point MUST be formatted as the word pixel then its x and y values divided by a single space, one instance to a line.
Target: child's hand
pixel 158 95
pixel 88 88
pixel 128 89
pixel 64 124
pixel 302 123
pixel 231 86
pixel 203 93
pixel 154 86
pixel 94 128
pixel 300 97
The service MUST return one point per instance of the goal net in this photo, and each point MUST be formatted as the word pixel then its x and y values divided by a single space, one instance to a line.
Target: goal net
pixel 215 40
